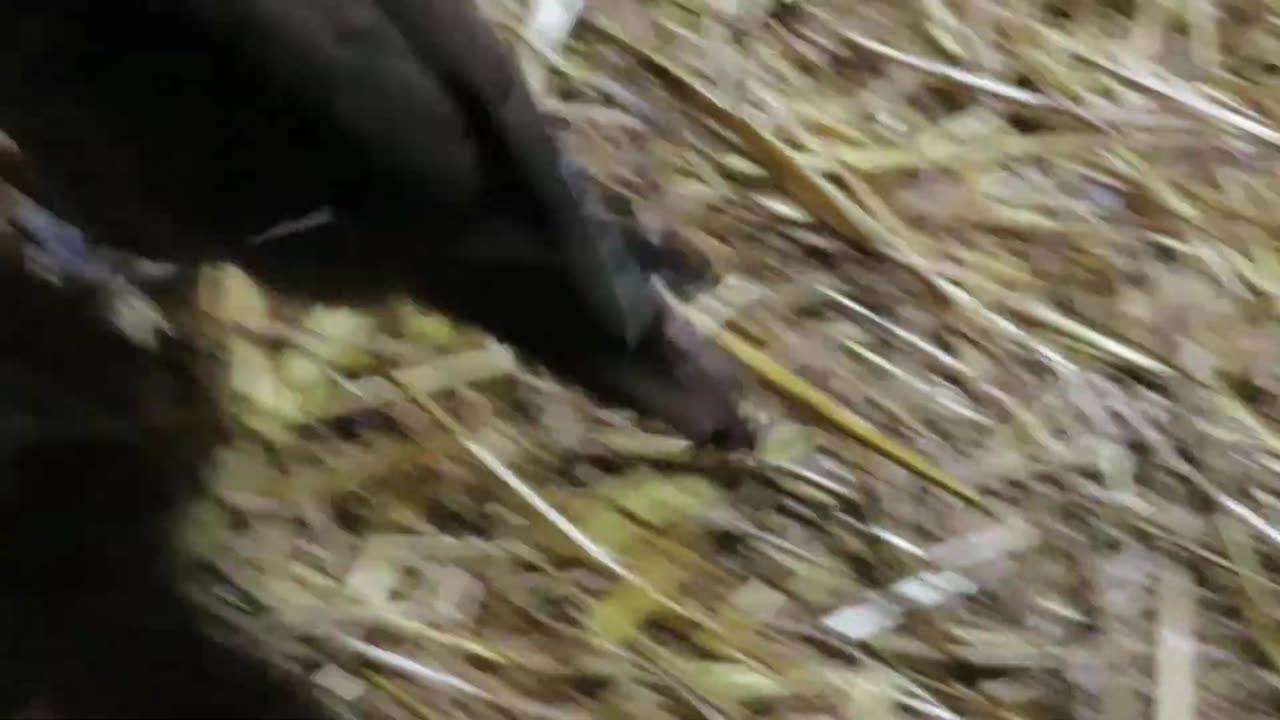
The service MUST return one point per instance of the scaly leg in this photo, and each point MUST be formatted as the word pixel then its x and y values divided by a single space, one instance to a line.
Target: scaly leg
pixel 57 246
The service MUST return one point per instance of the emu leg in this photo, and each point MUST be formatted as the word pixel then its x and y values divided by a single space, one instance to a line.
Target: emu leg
pixel 58 246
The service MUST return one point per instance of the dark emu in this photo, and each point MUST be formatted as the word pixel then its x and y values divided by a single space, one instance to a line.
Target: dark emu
pixel 348 147
pixel 195 130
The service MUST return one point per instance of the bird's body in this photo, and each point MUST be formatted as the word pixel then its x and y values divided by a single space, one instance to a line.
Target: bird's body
pixel 401 129
pixel 190 130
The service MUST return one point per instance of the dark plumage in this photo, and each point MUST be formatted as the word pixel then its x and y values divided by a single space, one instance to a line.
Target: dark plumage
pixel 101 445
pixel 183 129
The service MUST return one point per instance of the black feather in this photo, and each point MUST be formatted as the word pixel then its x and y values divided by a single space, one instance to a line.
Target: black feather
pixel 184 130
